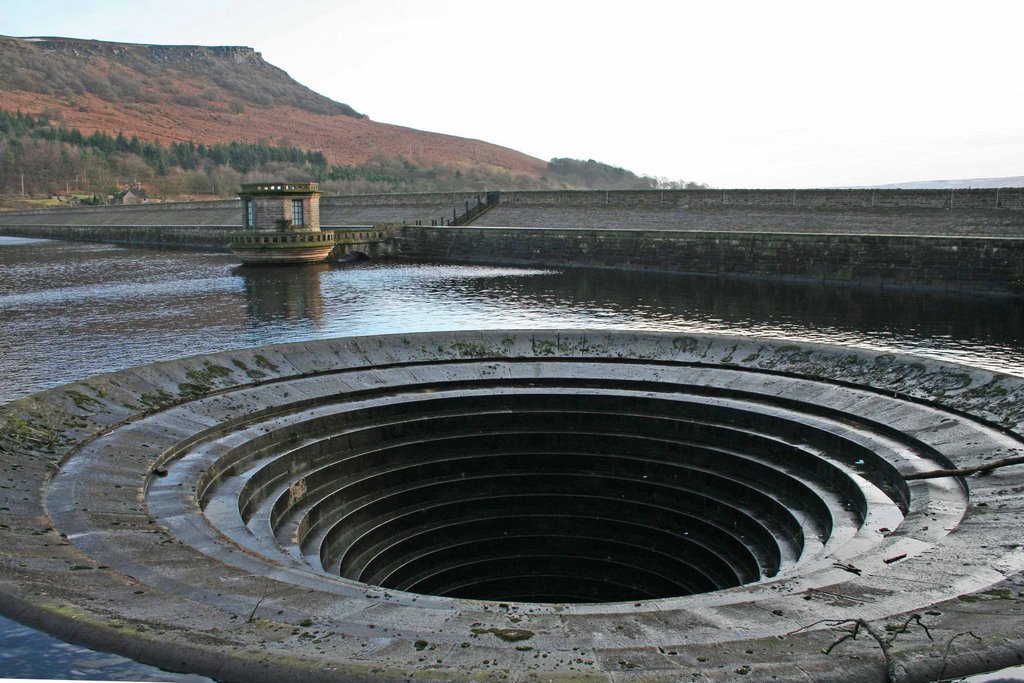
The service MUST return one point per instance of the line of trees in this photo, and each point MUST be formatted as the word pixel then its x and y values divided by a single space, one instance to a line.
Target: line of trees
pixel 597 175
pixel 240 156
pixel 40 158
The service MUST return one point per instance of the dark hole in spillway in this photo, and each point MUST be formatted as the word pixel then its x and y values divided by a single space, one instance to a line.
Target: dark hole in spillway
pixel 560 491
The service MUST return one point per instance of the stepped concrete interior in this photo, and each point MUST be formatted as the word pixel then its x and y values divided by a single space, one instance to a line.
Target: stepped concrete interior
pixel 522 504
pixel 554 492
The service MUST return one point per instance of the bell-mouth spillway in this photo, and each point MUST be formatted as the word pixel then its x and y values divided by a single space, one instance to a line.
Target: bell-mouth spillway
pixel 547 489
pixel 521 503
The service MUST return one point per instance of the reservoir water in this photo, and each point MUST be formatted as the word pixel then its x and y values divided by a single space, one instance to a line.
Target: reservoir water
pixel 72 310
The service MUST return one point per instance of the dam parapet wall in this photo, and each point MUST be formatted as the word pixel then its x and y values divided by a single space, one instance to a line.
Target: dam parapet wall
pixel 951 264
pixel 962 213
pixel 335 211
pixel 837 199
pixel 978 209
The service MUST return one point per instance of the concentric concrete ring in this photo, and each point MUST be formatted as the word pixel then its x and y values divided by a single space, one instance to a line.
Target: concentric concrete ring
pixel 520 505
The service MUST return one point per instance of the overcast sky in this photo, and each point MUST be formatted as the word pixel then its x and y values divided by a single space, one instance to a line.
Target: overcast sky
pixel 771 93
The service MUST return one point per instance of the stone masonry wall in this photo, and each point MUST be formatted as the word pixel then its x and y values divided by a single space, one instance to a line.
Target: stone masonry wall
pixel 987 198
pixel 313 212
pixel 170 236
pixel 267 211
pixel 983 213
pixel 227 214
pixel 982 265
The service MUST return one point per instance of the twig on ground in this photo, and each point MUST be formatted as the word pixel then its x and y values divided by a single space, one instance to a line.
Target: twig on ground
pixel 949 646
pixel 267 594
pixel 964 471
pixel 851 628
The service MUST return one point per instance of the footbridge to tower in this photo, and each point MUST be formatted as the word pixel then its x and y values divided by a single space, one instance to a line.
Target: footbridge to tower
pixel 361 241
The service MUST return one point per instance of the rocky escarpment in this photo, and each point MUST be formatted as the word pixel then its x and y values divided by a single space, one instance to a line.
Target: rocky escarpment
pixel 213 95
pixel 152 73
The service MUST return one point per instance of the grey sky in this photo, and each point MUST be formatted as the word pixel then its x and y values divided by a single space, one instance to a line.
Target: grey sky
pixel 735 94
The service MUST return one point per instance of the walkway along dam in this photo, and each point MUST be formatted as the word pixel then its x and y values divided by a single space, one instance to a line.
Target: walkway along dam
pixel 952 240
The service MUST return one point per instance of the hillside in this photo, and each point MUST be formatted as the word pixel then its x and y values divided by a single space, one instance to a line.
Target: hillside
pixel 214 95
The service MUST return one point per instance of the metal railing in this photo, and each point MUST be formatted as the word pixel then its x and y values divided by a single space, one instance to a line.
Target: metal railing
pixel 470 212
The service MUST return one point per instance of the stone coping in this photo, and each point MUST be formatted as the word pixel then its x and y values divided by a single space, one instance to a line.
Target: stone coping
pixel 86 557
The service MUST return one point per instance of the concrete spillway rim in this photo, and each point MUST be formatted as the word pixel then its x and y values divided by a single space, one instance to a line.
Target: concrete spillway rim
pixel 167 613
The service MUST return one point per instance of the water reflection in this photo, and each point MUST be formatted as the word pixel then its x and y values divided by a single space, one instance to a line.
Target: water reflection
pixel 26 653
pixel 290 293
pixel 73 310
pixel 976 330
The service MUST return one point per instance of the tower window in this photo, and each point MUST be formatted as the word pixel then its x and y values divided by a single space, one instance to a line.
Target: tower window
pixel 297 212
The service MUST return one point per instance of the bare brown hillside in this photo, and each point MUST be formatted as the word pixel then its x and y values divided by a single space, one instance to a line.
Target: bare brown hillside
pixel 212 95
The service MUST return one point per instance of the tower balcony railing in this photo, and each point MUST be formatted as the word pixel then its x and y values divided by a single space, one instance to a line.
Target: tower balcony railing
pixel 274 188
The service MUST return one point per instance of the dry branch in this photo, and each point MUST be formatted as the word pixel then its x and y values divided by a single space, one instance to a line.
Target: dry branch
pixel 964 471
pixel 949 645
pixel 851 628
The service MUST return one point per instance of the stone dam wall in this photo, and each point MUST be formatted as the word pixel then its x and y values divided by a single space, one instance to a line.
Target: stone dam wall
pixel 226 215
pixel 982 213
pixel 953 264
pixel 984 198
pixel 209 224
pixel 952 240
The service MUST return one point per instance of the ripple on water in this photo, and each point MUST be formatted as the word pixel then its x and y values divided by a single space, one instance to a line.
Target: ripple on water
pixel 27 653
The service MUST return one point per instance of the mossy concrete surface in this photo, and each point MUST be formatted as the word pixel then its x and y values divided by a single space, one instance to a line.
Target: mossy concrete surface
pixel 104 540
